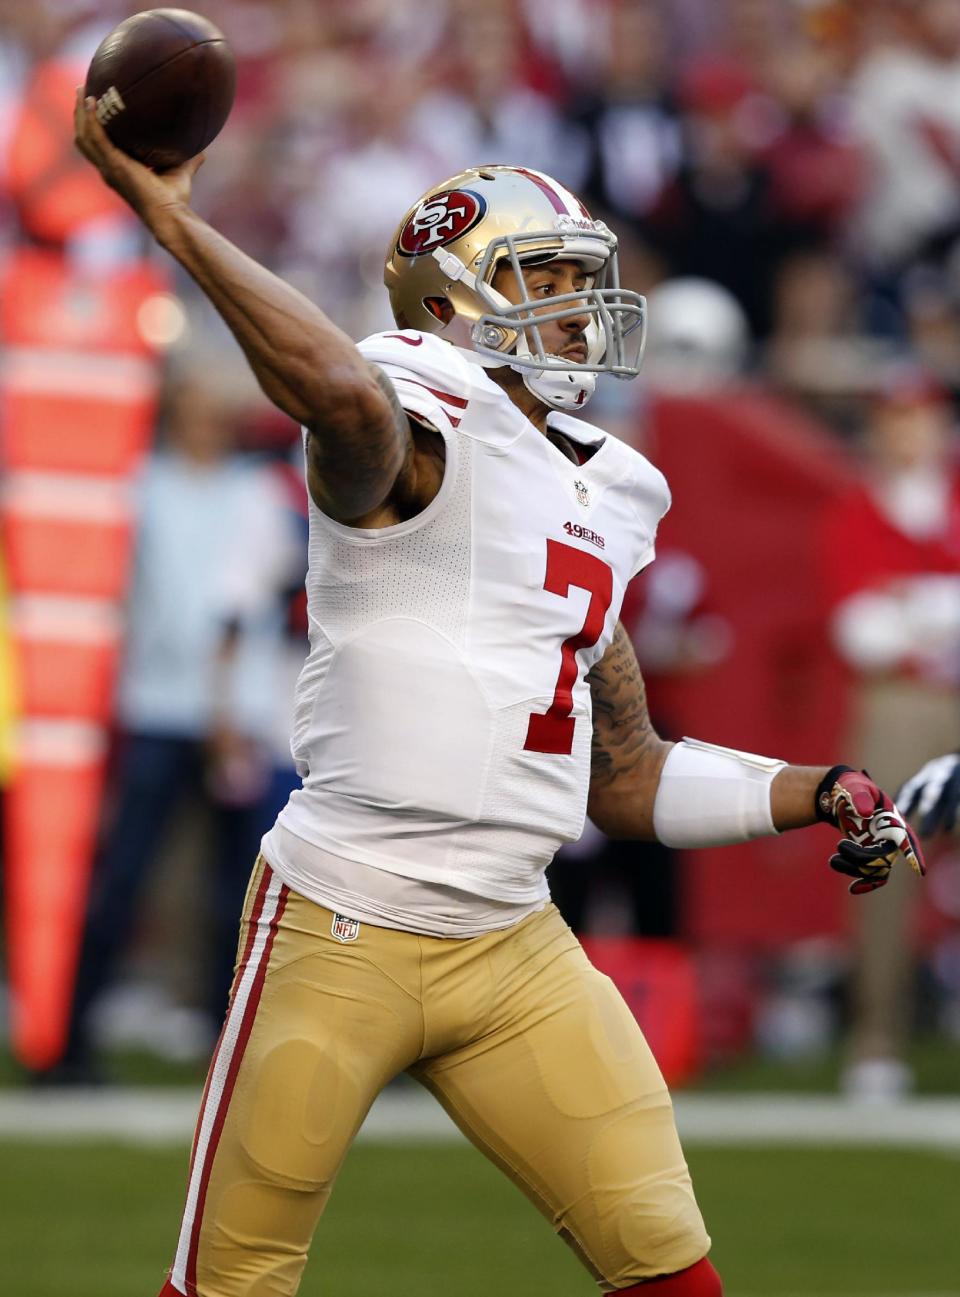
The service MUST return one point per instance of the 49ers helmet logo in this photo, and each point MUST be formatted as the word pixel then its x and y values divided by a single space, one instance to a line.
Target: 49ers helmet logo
pixel 439 220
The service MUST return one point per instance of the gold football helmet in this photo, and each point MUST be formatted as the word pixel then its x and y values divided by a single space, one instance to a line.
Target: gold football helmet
pixel 449 246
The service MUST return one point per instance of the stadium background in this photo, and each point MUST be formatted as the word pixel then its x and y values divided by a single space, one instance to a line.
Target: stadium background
pixel 759 159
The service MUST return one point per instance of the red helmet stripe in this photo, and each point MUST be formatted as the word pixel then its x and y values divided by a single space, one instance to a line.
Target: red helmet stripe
pixel 557 202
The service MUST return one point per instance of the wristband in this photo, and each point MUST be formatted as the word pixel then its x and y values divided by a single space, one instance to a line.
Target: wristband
pixel 822 801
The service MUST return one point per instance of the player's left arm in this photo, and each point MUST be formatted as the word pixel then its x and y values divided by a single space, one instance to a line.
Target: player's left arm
pixel 692 794
pixel 627 754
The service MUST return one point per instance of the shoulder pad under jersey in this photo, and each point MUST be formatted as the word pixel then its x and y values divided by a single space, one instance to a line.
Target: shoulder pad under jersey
pixel 430 377
pixel 647 486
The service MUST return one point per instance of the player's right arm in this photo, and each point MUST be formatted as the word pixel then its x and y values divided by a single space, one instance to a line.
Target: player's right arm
pixel 360 439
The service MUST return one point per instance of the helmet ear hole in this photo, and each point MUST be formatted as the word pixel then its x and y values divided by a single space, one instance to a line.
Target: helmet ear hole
pixel 440 308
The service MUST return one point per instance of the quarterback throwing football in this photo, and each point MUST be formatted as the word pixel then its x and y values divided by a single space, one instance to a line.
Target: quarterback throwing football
pixel 469 694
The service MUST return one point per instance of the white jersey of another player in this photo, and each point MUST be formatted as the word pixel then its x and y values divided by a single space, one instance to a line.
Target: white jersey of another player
pixel 443 719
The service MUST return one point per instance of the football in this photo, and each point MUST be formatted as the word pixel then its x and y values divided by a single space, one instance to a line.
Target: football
pixel 164 82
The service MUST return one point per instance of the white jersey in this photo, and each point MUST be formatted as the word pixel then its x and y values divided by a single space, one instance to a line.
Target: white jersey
pixel 443 720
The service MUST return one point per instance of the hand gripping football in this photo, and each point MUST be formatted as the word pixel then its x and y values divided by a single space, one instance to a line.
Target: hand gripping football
pixel 164 82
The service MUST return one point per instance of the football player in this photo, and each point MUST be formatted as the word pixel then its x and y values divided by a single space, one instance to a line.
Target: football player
pixel 933 795
pixel 469 694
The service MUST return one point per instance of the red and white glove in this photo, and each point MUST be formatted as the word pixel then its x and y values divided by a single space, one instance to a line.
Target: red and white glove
pixel 875 832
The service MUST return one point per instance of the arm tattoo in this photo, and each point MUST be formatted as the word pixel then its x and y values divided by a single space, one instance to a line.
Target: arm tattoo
pixel 390 392
pixel 346 461
pixel 623 737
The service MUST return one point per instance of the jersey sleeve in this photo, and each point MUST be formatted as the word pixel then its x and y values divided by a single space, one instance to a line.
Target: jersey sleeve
pixel 649 495
pixel 430 379
pixel 652 501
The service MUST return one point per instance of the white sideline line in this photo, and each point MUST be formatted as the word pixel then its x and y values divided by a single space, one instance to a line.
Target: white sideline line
pixel 932 1123
pixel 167 1116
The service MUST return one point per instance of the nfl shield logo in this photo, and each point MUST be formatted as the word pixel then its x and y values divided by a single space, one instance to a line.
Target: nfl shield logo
pixel 344 928
pixel 583 495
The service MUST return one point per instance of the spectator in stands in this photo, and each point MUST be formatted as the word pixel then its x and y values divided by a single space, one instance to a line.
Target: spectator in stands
pixel 713 220
pixel 819 354
pixel 497 98
pixel 906 115
pixel 892 573
pixel 197 688
pixel 931 304
pixel 628 117
pixel 813 165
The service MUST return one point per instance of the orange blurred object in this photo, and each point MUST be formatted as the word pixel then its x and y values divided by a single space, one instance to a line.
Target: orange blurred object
pixel 46 689
pixel 46 304
pixel 55 189
pixel 78 397
pixel 47 554
pixel 34 433
pixel 51 812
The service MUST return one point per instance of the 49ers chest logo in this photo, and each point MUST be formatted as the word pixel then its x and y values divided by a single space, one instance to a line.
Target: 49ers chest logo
pixel 440 220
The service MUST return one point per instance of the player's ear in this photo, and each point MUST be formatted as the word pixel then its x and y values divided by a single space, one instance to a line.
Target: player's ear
pixel 440 307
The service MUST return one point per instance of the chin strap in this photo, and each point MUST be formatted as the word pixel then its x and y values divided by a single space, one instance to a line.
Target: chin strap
pixel 559 390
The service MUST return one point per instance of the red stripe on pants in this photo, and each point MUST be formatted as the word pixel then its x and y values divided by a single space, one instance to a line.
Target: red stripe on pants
pixel 243 1035
pixel 248 946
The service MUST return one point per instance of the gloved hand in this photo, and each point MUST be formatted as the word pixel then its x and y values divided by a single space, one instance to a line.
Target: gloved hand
pixel 933 793
pixel 875 832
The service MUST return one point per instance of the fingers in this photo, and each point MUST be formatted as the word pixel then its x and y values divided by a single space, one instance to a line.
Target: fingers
pixel 867 796
pixel 89 136
pixel 898 833
pixel 79 120
pixel 913 855
pixel 863 800
pixel 864 885
pixel 876 831
pixel 912 859
pixel 851 858
pixel 869 867
pixel 858 791
pixel 861 885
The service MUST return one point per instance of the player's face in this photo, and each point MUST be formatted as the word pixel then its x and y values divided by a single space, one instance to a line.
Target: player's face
pixel 543 283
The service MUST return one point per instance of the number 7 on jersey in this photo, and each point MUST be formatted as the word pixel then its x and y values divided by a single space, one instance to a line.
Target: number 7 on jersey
pixel 552 730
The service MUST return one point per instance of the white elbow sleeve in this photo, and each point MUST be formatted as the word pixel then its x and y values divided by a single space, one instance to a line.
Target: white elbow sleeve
pixel 710 796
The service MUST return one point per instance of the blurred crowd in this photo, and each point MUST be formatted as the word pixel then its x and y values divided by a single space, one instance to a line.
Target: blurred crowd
pixel 801 154
pixel 784 176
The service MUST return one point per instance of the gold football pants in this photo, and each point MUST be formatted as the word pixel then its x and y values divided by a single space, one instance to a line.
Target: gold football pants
pixel 531 1051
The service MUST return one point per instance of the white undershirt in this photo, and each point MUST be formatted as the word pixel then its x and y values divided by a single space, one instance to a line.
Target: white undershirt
pixel 383 899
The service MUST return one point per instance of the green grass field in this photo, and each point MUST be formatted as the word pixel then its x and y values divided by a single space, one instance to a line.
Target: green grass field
pixel 96 1220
